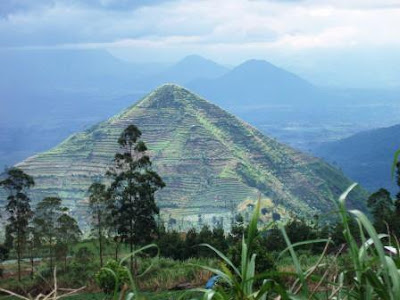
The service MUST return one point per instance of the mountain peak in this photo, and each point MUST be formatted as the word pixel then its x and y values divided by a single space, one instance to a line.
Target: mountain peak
pixel 195 58
pixel 169 86
pixel 256 63
pixel 168 90
pixel 213 164
pixel 258 81
pixel 260 67
pixel 192 67
pixel 169 95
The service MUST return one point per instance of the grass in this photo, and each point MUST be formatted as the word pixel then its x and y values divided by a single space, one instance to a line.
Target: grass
pixel 369 273
pixel 166 295
pixel 359 270
pixel 164 277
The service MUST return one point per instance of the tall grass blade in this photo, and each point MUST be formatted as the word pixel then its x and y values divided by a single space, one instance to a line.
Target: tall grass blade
pixel 224 276
pixel 252 231
pixel 344 195
pixel 303 244
pixel 295 260
pixel 224 258
pixel 394 276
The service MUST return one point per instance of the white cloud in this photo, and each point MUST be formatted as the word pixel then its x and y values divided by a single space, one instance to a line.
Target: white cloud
pixel 208 26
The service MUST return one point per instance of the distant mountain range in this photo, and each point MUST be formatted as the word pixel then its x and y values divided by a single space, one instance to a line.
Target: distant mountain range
pixel 45 95
pixel 214 164
pixel 366 157
pixel 191 68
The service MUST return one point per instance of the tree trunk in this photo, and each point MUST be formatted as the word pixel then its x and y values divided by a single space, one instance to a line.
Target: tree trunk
pixel 19 255
pixel 31 264
pixel 100 241
pixel 136 265
pixel 51 255
pixel 131 246
pixel 65 262
pixel 116 250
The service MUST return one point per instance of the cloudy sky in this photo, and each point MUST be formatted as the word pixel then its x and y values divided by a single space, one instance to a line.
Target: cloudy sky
pixel 299 34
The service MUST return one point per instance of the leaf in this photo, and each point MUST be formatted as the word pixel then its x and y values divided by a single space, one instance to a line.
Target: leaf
pixel 224 276
pixel 344 195
pixel 295 259
pixel 224 258
pixel 304 243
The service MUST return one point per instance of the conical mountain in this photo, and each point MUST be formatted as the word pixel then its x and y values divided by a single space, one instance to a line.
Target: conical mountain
pixel 257 83
pixel 213 164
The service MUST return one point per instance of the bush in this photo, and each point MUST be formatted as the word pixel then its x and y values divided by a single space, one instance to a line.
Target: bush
pixel 84 256
pixel 111 275
pixel 82 268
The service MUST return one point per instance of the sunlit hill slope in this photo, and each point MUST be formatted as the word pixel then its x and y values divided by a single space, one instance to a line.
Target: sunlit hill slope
pixel 213 164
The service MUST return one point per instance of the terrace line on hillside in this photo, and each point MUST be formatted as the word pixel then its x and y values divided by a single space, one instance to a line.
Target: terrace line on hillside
pixel 213 164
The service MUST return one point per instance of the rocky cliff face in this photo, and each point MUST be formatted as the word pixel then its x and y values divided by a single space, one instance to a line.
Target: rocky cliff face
pixel 213 164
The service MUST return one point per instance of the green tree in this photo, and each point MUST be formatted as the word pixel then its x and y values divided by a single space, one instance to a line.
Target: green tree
pixel 218 239
pixel 33 243
pixel 381 207
pixel 98 200
pixel 112 222
pixel 191 243
pixel 205 237
pixel 133 187
pixel 68 233
pixel 395 222
pixel 18 208
pixel 46 217
pixel 4 251
pixel 9 239
pixel 237 229
pixel 83 267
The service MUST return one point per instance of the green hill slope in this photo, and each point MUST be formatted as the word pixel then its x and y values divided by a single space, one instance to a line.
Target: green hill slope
pixel 212 163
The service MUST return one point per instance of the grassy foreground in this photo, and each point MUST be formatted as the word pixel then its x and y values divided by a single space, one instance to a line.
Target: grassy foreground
pixel 371 273
pixel 170 295
pixel 361 269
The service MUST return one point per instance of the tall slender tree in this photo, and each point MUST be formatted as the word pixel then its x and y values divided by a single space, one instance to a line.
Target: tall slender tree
pixel 33 244
pixel 133 187
pixel 68 233
pixel 18 208
pixel 98 200
pixel 46 217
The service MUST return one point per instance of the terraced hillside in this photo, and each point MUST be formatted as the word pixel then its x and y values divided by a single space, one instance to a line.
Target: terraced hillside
pixel 212 163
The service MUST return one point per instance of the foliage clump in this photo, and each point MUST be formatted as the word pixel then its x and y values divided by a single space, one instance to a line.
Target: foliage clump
pixel 112 277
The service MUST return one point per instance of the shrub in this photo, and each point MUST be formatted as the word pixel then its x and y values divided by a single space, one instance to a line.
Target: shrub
pixel 82 268
pixel 84 256
pixel 112 277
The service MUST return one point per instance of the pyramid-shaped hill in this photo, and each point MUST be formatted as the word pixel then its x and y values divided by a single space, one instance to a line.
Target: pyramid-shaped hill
pixel 213 164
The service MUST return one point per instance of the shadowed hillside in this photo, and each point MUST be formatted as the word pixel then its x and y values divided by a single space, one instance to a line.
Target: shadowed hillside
pixel 366 157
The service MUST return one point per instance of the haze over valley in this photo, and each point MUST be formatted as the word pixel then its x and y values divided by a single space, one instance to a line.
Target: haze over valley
pixel 69 90
pixel 65 91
